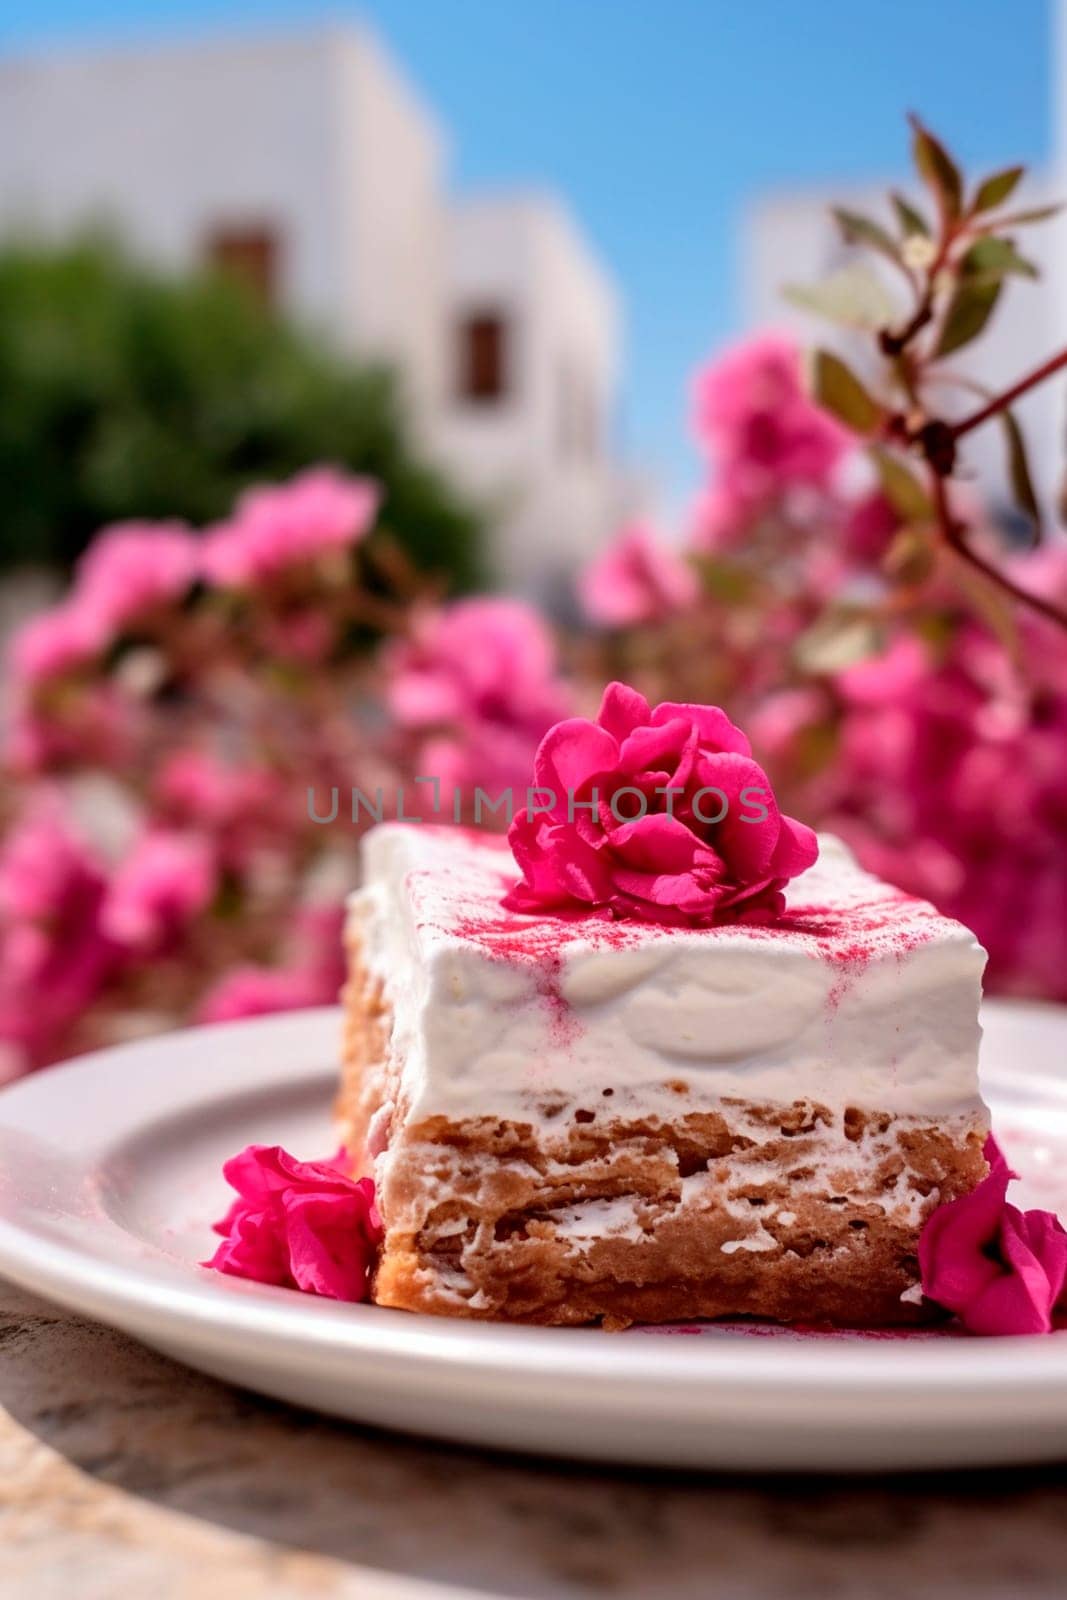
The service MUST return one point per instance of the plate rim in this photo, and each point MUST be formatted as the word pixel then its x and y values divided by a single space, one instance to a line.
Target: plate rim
pixel 149 1284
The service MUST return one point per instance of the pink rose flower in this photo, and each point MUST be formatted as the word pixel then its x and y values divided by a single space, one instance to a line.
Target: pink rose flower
pixel 999 1269
pixel 298 1224
pixel 315 514
pixel 133 568
pixel 756 418
pixel 167 881
pixel 635 580
pixel 715 848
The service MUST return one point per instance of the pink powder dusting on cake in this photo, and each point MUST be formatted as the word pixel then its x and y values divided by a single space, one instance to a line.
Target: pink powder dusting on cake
pixel 849 939
pixel 533 943
pixel 889 923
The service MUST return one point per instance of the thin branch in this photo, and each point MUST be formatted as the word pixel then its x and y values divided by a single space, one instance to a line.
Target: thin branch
pixel 1001 402
pixel 954 535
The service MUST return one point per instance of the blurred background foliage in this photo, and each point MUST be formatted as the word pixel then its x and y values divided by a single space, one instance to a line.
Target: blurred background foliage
pixel 125 394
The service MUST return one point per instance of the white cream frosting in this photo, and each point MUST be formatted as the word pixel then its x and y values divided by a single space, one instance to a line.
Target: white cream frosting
pixel 862 997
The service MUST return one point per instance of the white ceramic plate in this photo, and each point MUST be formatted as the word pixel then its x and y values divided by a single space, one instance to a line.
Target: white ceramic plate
pixel 109 1178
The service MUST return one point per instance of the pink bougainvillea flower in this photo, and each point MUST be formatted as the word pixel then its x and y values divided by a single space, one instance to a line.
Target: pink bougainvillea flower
pixel 128 571
pixel 88 723
pixel 758 422
pixel 721 517
pixel 636 579
pixel 475 685
pixel 999 1269
pixel 298 1224
pixel 167 881
pixel 63 640
pixel 256 991
pixel 240 803
pixel 304 637
pixel 486 660
pixel 871 523
pixel 948 779
pixel 656 814
pixel 317 513
pixel 54 955
pixel 312 977
pixel 133 568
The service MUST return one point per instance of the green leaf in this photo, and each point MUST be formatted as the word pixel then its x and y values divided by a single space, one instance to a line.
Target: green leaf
pixel 911 557
pixel 839 639
pixel 993 191
pixel 902 488
pixel 937 169
pixel 994 257
pixel 968 312
pixel 1019 219
pixel 839 391
pixel 856 229
pixel 911 221
pixel 855 297
pixel 992 604
pixel 726 581
pixel 1022 483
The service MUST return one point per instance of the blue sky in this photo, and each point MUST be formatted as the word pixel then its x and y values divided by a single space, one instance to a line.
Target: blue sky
pixel 659 118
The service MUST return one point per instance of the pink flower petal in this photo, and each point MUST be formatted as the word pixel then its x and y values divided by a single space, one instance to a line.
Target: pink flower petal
pixel 797 849
pixel 657 745
pixel 568 753
pixel 1000 1270
pixel 622 709
pixel 658 843
pixel 716 730
pixel 299 1224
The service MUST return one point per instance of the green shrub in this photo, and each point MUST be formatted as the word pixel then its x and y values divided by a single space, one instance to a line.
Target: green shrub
pixel 126 394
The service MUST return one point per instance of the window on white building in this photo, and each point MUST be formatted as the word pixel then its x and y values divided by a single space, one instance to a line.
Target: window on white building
pixel 484 337
pixel 251 255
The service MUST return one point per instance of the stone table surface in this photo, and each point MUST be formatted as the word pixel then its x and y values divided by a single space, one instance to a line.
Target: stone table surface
pixel 123 1475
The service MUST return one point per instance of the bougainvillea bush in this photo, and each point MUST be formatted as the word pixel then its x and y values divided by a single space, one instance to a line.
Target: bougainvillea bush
pixel 180 730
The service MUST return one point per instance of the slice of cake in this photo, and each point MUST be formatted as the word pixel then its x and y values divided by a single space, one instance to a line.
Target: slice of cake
pixel 575 1113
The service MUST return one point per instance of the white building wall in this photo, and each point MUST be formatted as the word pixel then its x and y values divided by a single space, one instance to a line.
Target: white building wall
pixel 391 187
pixel 522 257
pixel 166 143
